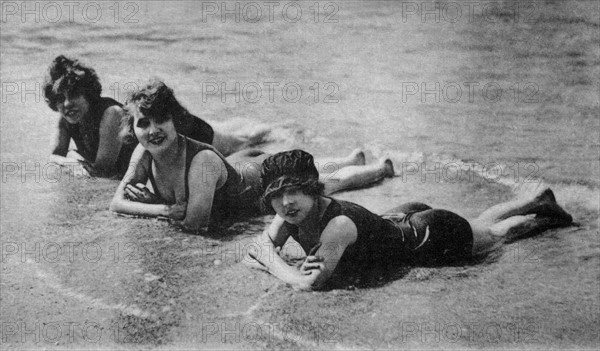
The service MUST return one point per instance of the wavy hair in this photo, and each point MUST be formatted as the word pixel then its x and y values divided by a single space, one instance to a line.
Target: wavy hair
pixel 67 76
pixel 157 101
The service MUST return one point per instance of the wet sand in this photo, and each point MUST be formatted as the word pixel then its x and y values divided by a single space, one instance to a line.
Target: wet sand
pixel 152 287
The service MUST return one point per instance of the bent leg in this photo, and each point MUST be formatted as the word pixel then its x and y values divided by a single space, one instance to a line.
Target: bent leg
pixel 331 165
pixel 248 161
pixel 356 176
pixel 227 144
pixel 544 204
pixel 487 238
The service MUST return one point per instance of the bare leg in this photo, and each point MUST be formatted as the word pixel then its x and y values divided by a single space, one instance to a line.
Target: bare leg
pixel 356 176
pixel 332 165
pixel 488 238
pixel 543 203
pixel 228 144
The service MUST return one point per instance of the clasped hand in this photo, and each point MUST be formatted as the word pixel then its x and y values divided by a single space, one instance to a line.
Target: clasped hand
pixel 312 263
pixel 140 193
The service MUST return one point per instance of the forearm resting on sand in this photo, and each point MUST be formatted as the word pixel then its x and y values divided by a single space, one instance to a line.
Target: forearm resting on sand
pixel 267 259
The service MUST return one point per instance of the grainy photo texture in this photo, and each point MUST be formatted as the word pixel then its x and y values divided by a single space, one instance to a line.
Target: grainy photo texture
pixel 299 175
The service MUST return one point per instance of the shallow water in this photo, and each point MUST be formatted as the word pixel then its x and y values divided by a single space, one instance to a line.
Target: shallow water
pixel 164 287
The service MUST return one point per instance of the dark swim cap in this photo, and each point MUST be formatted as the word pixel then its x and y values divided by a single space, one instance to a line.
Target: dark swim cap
pixel 285 169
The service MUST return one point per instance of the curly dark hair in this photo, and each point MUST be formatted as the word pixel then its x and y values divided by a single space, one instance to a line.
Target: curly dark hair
pixel 67 76
pixel 157 101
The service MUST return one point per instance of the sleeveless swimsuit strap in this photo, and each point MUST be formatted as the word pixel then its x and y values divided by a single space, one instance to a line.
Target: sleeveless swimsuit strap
pixel 189 157
pixel 152 181
pixel 188 161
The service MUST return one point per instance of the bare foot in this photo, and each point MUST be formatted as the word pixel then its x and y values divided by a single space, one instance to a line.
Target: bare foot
pixel 357 157
pixel 545 196
pixel 257 138
pixel 387 166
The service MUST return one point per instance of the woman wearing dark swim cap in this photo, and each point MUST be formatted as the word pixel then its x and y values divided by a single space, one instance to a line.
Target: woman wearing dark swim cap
pixel 334 232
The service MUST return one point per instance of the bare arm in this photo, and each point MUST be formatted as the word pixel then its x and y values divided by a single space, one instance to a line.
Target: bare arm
pixel 61 148
pixel 339 233
pixel 62 140
pixel 137 173
pixel 206 174
pixel 110 143
pixel 268 242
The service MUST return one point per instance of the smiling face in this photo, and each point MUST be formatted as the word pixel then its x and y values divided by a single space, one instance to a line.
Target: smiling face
pixel 73 107
pixel 293 205
pixel 153 134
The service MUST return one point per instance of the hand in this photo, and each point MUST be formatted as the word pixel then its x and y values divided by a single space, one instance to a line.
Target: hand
pixel 141 193
pixel 177 211
pixel 312 263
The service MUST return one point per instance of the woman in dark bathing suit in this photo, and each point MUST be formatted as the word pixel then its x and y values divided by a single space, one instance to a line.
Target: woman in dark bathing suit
pixel 334 232
pixel 94 122
pixel 192 181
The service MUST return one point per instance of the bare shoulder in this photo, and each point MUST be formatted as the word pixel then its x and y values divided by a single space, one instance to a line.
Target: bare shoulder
pixel 206 158
pixel 114 110
pixel 208 165
pixel 113 115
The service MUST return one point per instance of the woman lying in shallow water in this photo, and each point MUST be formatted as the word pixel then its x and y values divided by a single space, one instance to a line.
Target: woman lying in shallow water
pixel 338 233
pixel 93 122
pixel 193 182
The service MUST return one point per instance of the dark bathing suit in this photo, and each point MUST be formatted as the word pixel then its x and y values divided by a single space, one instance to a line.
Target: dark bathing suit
pixel 240 192
pixel 87 136
pixel 424 234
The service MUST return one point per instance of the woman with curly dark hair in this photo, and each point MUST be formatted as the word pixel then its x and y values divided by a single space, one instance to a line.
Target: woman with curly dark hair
pixel 94 122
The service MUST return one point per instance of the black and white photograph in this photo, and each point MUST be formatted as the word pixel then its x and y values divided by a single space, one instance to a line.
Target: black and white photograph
pixel 300 175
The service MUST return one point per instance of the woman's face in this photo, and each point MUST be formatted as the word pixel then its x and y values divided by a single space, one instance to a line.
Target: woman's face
pixel 152 134
pixel 292 204
pixel 73 107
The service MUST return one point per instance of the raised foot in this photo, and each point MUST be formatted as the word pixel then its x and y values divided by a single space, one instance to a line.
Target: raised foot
pixel 387 166
pixel 546 195
pixel 258 137
pixel 547 207
pixel 357 157
pixel 552 212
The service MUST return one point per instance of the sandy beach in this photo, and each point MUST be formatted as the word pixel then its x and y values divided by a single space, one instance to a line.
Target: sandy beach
pixel 475 102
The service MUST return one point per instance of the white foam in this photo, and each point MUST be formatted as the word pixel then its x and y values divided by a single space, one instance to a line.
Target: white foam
pixel 566 194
